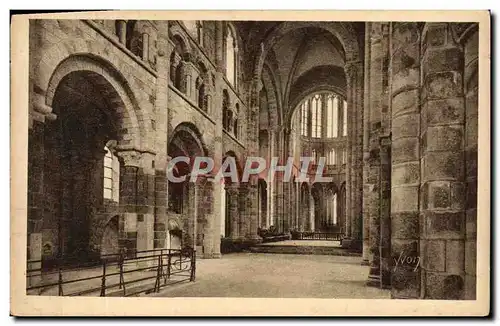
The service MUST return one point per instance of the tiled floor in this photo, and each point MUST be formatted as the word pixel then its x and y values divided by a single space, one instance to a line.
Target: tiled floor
pixel 278 275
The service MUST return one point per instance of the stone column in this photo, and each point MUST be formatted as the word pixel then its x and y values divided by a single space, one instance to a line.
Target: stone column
pixel 174 63
pixel 386 263
pixel 348 168
pixel 161 111
pixel 354 166
pixel 405 157
pixel 131 162
pixel 217 156
pixel 366 148
pixel 243 209
pixel 471 144
pixel 378 104
pixel 190 75
pixel 145 46
pixel 219 45
pixel 443 186
pixel 234 213
pixel 252 144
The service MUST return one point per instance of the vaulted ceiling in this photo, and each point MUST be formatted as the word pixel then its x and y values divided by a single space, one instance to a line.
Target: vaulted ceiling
pixel 299 58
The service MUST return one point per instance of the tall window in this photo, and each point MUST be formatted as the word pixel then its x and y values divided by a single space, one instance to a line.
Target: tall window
pixel 332 160
pixel 316 116
pixel 332 111
pixel 108 174
pixel 344 129
pixel 304 118
pixel 230 57
pixel 323 105
pixel 111 180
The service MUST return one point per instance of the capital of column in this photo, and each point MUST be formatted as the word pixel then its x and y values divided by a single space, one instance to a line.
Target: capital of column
pixel 43 109
pixel 351 70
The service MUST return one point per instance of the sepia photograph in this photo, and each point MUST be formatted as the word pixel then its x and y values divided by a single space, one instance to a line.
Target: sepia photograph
pixel 289 157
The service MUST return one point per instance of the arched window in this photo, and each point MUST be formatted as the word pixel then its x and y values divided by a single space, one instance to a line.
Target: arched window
pixel 111 180
pixel 332 109
pixel 320 115
pixel 231 56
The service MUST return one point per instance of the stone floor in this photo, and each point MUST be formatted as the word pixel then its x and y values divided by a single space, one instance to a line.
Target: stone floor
pixel 278 275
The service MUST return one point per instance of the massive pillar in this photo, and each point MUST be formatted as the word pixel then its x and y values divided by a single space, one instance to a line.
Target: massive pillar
pixel 405 158
pixel 252 150
pixel 354 168
pixel 443 188
pixel 386 261
pixel 376 106
pixel 366 151
pixel 127 226
pixel 161 141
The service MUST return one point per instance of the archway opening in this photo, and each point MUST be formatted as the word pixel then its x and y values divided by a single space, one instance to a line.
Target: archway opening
pixel 76 182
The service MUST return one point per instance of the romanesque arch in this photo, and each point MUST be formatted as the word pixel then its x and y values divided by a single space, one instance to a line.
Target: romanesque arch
pixel 93 106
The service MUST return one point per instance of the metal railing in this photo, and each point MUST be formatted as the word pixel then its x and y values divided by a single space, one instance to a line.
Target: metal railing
pixel 116 274
pixel 308 235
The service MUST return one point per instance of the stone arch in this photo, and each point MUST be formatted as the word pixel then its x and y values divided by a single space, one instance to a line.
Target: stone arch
pixel 110 83
pixel 343 31
pixel 231 153
pixel 177 36
pixel 194 137
pixel 186 140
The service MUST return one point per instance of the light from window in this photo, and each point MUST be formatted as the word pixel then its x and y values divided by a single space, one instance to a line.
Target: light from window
pixel 230 57
pixel 304 118
pixel 108 174
pixel 332 160
pixel 111 180
pixel 332 116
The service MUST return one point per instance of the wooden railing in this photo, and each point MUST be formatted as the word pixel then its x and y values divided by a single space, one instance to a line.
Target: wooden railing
pixel 115 275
